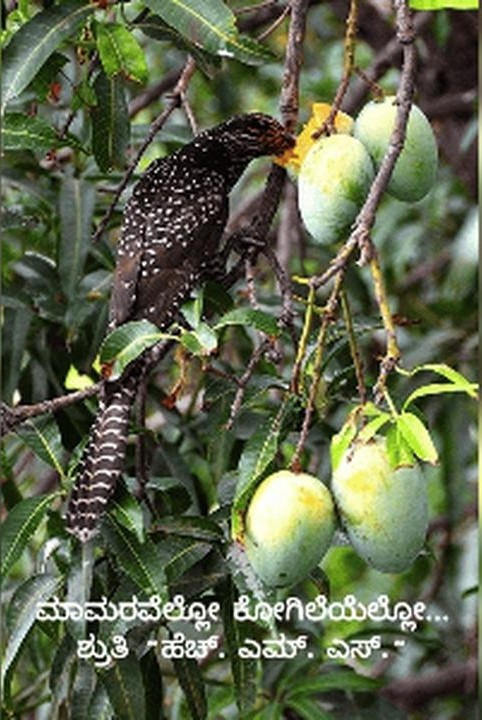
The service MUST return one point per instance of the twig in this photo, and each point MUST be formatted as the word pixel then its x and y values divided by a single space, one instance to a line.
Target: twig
pixel 158 123
pixel 275 24
pixel 328 318
pixel 354 351
pixel 11 417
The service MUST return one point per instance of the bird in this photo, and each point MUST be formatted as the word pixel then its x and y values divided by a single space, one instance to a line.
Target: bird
pixel 171 231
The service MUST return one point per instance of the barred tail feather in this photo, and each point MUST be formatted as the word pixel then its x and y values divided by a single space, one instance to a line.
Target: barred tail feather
pixel 102 459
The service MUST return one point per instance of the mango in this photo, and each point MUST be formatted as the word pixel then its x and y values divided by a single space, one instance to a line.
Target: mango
pixel 333 182
pixel 289 526
pixel 416 167
pixel 383 510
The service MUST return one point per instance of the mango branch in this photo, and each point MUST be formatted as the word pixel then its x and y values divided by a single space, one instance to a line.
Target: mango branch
pixel 329 314
pixel 348 68
pixel 354 351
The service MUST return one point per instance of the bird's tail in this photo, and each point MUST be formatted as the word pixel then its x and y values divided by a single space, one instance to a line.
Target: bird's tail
pixel 103 458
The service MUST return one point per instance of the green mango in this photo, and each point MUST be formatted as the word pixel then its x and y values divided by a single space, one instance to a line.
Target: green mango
pixel 416 167
pixel 289 526
pixel 383 510
pixel 334 180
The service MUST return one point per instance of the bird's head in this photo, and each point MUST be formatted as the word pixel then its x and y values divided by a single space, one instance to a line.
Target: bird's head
pixel 253 135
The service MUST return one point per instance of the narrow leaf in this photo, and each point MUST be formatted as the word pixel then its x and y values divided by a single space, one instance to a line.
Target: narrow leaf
pixel 21 614
pixel 201 342
pixel 120 52
pixel 110 123
pixel 42 435
pixel 76 201
pixel 341 442
pixel 190 679
pixel 336 680
pixel 252 318
pixel 211 25
pixel 140 561
pixel 417 436
pixel 441 389
pixel 19 526
pixel 23 132
pixel 441 4
pixel 371 428
pixel 36 40
pixel 125 688
pixel 243 670
pixel 309 709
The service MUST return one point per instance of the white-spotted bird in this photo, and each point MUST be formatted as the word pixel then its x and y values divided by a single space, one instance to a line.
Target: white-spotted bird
pixel 171 231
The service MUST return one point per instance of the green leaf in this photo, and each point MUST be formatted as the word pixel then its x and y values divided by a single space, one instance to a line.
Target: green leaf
pixel 456 379
pixel 417 437
pixel 21 614
pixel 341 442
pixel 42 435
pixel 191 681
pixel 76 204
pixel 190 526
pixel 259 452
pixel 371 428
pixel 36 41
pixel 186 554
pixel 441 4
pixel 125 688
pixel 244 671
pixel 47 74
pixel 110 123
pixel 155 27
pixel 19 526
pixel 120 52
pixel 441 389
pixel 140 561
pixel 211 25
pixel 336 680
pixel 127 342
pixel 128 512
pixel 252 318
pixel 201 342
pixel 22 132
pixel 309 709
pixel 399 451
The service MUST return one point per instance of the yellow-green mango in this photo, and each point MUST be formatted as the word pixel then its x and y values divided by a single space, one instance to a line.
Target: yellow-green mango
pixel 289 526
pixel 333 182
pixel 384 511
pixel 416 167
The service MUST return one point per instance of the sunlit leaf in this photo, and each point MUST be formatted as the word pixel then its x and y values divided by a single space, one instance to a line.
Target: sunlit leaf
pixel 417 437
pixel 127 342
pixel 120 52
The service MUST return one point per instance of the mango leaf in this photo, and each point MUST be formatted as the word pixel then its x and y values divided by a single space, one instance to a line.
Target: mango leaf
pixel 110 123
pixel 417 436
pixel 457 382
pixel 140 561
pixel 259 452
pixel 125 688
pixel 371 428
pixel 187 554
pixel 441 4
pixel 252 318
pixel 309 709
pixel 201 342
pixel 336 680
pixel 244 671
pixel 41 84
pixel 120 52
pixel 76 205
pixel 22 132
pixel 82 691
pixel 199 528
pixel 127 512
pixel 21 613
pixel 211 25
pixel 127 342
pixel 36 41
pixel 341 442
pixel 399 452
pixel 190 679
pixel 154 27
pixel 42 435
pixel 19 526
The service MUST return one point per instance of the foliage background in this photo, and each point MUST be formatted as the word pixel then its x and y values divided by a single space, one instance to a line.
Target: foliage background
pixel 55 298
